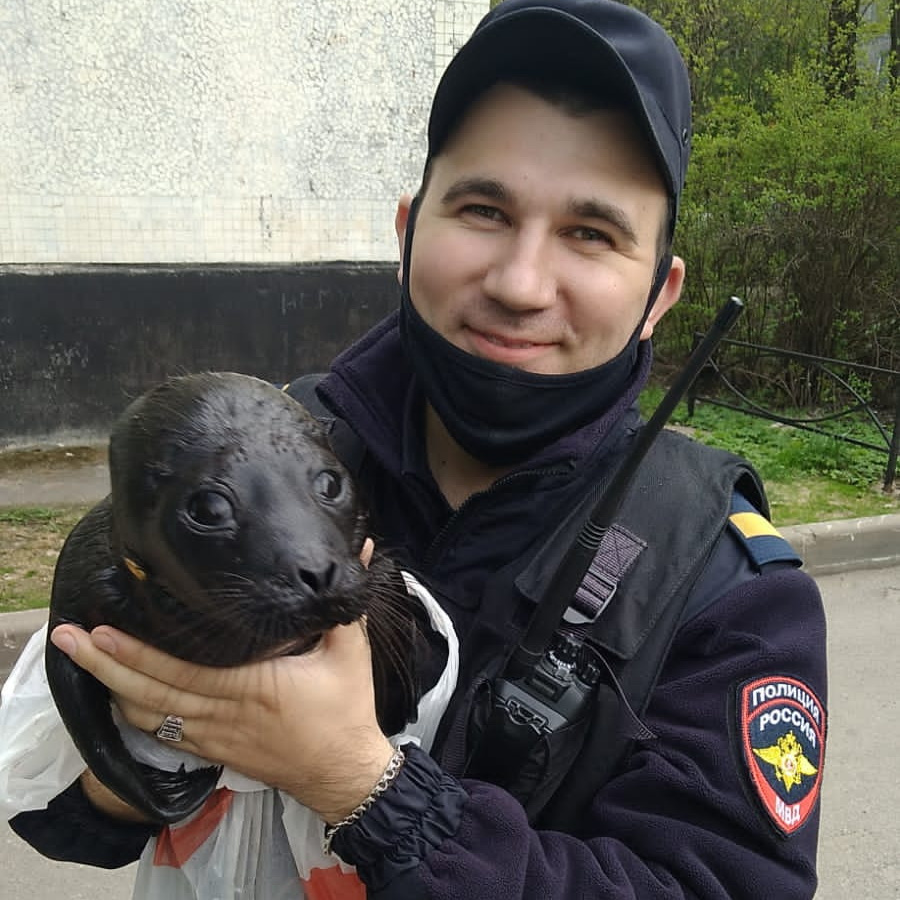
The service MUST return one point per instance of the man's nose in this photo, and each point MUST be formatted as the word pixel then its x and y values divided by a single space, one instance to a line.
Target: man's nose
pixel 520 275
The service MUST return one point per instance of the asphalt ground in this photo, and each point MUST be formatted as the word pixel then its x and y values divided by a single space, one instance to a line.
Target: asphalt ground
pixel 857 565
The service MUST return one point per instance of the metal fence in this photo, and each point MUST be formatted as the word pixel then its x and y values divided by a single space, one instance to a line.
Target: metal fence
pixel 848 386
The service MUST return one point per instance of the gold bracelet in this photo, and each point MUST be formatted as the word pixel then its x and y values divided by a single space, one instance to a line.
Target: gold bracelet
pixel 392 770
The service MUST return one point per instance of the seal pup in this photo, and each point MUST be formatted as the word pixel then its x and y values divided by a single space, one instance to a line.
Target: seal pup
pixel 231 534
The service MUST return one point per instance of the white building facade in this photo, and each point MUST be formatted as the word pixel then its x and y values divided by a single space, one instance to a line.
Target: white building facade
pixel 214 131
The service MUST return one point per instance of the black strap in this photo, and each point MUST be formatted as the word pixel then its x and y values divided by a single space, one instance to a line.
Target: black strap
pixel 618 552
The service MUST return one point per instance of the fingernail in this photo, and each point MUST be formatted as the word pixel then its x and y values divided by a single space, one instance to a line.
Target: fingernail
pixel 104 641
pixel 64 642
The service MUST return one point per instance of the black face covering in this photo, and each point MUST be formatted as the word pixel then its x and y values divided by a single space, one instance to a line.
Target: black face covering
pixel 499 414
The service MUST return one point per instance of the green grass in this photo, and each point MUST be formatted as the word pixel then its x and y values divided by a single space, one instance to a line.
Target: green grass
pixel 809 477
pixel 34 515
pixel 30 538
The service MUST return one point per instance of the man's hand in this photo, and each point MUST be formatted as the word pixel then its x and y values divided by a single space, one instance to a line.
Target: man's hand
pixel 304 724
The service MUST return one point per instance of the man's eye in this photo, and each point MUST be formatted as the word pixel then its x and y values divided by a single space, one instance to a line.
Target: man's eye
pixel 210 509
pixel 483 212
pixel 585 233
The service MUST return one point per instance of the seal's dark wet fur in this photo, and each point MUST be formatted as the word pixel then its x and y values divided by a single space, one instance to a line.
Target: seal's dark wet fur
pixel 231 534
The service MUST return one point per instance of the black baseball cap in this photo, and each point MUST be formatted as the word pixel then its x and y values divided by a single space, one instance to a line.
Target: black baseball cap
pixel 602 46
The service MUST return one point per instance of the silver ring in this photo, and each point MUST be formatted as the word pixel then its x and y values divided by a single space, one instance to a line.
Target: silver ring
pixel 172 729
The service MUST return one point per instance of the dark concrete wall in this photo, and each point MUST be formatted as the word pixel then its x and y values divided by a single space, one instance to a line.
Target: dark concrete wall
pixel 77 345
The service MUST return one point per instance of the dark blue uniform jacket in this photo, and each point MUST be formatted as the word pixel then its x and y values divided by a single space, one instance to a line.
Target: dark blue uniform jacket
pixel 723 803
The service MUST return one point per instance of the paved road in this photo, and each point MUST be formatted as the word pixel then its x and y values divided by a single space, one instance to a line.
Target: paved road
pixel 860 841
pixel 53 482
pixel 28 876
pixel 859 848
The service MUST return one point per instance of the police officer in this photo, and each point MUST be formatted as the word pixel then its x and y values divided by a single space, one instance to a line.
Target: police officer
pixel 536 263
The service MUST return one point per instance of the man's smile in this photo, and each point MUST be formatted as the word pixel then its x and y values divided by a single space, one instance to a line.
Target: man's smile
pixel 515 351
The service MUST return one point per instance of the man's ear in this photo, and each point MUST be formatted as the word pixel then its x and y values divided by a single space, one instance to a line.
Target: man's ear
pixel 666 298
pixel 401 218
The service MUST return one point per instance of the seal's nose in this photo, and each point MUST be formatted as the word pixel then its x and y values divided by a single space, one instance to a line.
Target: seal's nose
pixel 310 568
pixel 317 579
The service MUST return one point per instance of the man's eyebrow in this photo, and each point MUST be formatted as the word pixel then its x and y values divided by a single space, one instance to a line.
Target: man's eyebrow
pixel 489 188
pixel 606 212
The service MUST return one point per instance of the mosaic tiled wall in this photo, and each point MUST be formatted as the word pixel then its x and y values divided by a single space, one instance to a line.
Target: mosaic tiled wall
pixel 206 131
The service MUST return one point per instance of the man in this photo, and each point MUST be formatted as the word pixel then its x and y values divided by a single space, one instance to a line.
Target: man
pixel 536 264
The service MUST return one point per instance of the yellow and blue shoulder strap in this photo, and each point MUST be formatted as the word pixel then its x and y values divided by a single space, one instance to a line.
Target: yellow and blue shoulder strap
pixel 757 535
pixel 749 545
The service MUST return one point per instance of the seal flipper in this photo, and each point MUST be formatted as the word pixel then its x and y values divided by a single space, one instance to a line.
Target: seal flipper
pixel 84 706
pixel 182 792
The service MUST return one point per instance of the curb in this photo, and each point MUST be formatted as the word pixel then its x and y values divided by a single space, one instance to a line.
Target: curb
pixel 827 548
pixel 843 545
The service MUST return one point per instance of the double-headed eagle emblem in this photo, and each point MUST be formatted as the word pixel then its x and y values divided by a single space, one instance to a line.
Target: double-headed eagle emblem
pixel 786 756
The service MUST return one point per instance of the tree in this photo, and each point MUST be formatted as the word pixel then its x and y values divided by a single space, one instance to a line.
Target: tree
pixel 730 46
pixel 840 56
pixel 895 44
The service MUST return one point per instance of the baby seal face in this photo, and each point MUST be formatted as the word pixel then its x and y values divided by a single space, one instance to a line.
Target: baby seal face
pixel 241 529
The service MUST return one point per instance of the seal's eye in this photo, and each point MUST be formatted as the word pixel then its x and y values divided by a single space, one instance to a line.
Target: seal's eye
pixel 210 509
pixel 328 485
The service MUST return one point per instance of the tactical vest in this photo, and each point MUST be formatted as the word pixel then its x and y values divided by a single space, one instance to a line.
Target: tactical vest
pixel 640 586
pixel 675 512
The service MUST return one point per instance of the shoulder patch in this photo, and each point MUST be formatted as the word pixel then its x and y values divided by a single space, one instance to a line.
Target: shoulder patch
pixel 763 542
pixel 782 734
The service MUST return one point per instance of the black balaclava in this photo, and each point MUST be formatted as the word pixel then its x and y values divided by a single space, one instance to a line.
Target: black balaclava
pixel 499 414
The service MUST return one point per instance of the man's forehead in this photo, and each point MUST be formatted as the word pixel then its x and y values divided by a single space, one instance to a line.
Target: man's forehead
pixel 514 102
pixel 511 122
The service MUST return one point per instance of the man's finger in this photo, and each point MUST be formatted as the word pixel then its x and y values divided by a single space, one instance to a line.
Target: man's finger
pixel 145 676
pixel 345 642
pixel 208 681
pixel 365 555
pixel 117 676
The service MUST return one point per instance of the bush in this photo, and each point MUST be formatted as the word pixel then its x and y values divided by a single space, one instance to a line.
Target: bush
pixel 795 210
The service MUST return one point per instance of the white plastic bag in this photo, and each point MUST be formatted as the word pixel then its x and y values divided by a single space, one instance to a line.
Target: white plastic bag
pixel 247 842
pixel 37 757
